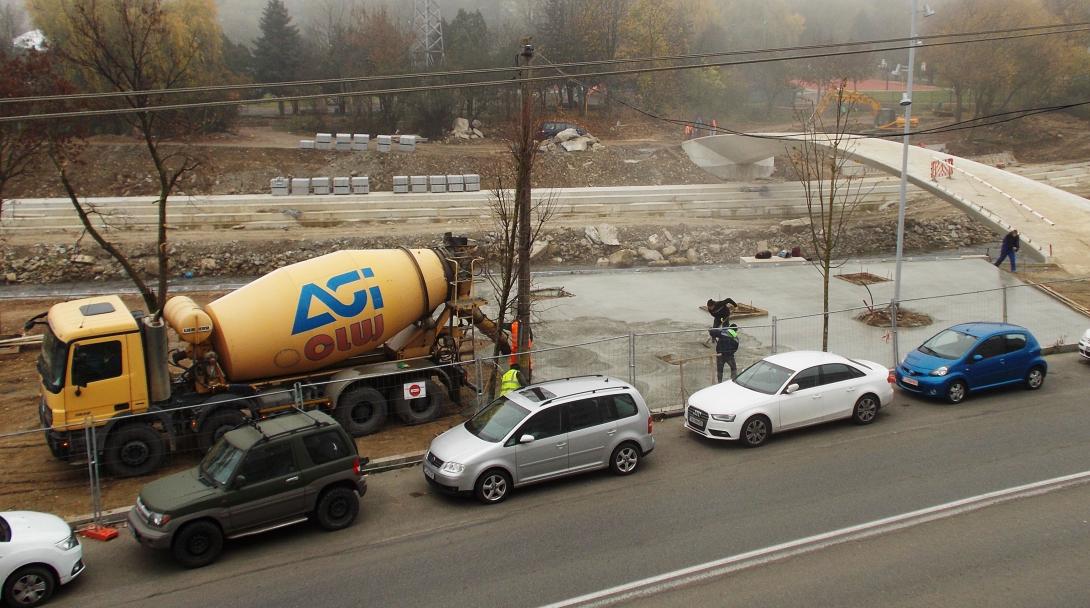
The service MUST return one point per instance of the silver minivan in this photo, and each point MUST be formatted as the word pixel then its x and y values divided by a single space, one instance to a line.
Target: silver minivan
pixel 544 431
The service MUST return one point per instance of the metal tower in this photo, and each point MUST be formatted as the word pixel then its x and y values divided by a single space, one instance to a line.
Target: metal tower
pixel 428 50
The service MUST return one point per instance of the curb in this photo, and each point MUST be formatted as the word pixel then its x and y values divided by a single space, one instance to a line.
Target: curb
pixel 378 465
pixel 1061 348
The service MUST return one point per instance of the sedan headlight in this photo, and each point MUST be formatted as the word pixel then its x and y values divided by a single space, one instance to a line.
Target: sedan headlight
pixel 942 371
pixel 69 543
pixel 452 467
pixel 723 417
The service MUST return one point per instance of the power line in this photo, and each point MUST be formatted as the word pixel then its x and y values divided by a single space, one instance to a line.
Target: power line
pixel 489 84
pixel 505 69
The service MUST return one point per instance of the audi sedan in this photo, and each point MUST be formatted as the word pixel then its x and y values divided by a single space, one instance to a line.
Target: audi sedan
pixel 1084 345
pixel 789 391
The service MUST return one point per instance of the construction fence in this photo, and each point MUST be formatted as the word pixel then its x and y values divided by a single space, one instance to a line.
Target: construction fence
pixel 666 367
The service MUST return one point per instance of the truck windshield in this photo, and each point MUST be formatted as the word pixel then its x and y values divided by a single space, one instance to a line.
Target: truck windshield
pixel 52 361
pixel 495 421
pixel 220 462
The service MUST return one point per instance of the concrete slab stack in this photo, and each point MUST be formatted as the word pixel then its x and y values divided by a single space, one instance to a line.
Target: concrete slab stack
pixel 280 186
pixel 401 184
pixel 360 185
pixel 418 183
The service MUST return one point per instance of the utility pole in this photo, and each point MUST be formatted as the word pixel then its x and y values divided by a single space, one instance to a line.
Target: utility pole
pixel 524 165
pixel 906 102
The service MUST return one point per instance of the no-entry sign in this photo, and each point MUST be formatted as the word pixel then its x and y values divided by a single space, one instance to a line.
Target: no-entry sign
pixel 415 390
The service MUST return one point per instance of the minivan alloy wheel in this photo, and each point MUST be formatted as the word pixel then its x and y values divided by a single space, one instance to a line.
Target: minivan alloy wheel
pixel 494 487
pixel 626 459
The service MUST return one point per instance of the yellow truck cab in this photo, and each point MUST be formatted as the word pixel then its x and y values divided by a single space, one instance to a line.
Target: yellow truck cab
pixel 92 370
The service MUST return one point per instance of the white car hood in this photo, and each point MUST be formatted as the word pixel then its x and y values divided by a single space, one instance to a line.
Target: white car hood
pixel 1086 336
pixel 29 527
pixel 727 398
pixel 459 445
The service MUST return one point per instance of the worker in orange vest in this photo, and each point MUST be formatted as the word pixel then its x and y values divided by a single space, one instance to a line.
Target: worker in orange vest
pixel 515 342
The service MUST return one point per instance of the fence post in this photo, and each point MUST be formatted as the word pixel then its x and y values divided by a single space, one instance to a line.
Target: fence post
pixel 893 312
pixel 1004 303
pixel 297 395
pixel 632 358
pixel 480 379
pixel 92 469
pixel 775 337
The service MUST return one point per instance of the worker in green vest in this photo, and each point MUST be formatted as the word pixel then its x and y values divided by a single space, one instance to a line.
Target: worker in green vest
pixel 511 380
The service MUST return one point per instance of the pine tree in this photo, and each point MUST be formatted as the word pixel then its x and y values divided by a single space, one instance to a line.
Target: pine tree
pixel 278 52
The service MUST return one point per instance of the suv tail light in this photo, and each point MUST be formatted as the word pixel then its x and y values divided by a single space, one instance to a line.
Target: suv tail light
pixel 650 424
pixel 356 466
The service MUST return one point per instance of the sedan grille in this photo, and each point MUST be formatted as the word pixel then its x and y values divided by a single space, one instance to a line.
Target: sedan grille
pixel 434 460
pixel 696 418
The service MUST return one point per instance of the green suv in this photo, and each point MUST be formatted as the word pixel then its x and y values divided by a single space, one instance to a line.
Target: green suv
pixel 265 475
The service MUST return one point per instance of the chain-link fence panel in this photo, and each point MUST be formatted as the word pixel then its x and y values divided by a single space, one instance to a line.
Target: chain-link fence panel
pixel 1052 321
pixel 670 366
pixel 608 357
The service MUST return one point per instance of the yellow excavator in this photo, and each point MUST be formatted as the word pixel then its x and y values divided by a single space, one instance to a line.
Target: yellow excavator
pixel 884 118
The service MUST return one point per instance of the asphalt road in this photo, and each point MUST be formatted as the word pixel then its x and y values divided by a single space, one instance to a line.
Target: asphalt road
pixel 693 501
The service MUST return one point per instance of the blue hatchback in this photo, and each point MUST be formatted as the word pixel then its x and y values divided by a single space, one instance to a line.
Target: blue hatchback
pixel 970 357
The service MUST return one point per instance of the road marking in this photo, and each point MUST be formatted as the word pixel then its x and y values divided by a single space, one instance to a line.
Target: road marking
pixel 713 569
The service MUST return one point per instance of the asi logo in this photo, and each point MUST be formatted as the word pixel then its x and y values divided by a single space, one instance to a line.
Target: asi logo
pixel 304 322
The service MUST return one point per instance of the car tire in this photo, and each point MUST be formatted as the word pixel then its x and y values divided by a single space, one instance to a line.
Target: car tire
pixel 218 423
pixel 361 410
pixel 421 410
pixel 1035 379
pixel 957 391
pixel 337 509
pixel 29 586
pixel 133 450
pixel 866 409
pixel 755 431
pixel 492 487
pixel 197 544
pixel 625 459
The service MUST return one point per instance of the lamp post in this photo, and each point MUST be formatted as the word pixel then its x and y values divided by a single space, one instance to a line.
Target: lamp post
pixel 906 103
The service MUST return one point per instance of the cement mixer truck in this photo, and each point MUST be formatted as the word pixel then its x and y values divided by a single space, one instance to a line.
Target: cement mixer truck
pixel 360 334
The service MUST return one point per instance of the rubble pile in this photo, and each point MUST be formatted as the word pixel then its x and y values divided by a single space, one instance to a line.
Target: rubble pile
pixel 602 245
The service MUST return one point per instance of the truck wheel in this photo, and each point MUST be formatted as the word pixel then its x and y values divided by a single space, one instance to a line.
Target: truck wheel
pixel 216 424
pixel 337 509
pixel 133 450
pixel 421 409
pixel 361 410
pixel 197 544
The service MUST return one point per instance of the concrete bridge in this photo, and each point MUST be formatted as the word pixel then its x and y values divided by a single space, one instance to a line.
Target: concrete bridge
pixel 1054 224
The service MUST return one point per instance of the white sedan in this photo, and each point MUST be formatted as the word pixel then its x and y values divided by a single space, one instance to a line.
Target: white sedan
pixel 1084 345
pixel 38 553
pixel 789 391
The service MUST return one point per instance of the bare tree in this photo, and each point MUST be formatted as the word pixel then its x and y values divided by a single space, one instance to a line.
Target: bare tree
pixel 131 46
pixel 833 191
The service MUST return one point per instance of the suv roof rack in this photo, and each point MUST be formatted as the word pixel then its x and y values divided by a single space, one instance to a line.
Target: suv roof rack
pixel 586 392
pixel 266 437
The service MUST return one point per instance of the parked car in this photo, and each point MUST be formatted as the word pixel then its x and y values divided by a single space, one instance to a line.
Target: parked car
pixel 789 391
pixel 266 475
pixel 971 357
pixel 550 129
pixel 38 553
pixel 544 431
pixel 1084 345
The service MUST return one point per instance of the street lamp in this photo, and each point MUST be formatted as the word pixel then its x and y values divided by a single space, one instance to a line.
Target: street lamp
pixel 906 103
